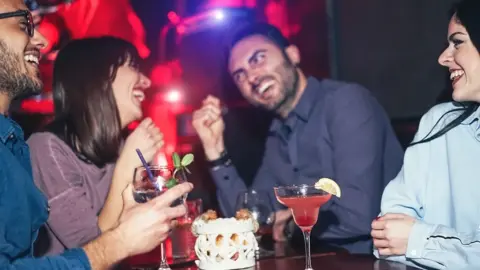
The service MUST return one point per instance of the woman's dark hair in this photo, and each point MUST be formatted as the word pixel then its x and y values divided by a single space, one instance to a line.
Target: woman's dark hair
pixel 467 13
pixel 86 113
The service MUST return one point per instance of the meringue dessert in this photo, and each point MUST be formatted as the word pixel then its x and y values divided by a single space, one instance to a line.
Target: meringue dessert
pixel 225 243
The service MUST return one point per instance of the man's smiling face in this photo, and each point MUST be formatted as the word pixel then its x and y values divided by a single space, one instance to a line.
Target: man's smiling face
pixel 265 74
pixel 19 53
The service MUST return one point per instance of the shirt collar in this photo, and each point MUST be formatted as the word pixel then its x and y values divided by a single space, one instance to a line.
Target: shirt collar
pixel 303 109
pixel 8 128
pixel 473 118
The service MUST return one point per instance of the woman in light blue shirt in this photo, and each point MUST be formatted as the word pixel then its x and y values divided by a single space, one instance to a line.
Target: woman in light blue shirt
pixel 430 213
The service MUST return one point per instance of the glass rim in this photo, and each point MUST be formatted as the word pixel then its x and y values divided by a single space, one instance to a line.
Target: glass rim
pixel 156 167
pixel 296 187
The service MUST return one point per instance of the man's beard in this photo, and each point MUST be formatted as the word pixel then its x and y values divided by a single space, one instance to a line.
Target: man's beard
pixel 289 74
pixel 288 88
pixel 14 82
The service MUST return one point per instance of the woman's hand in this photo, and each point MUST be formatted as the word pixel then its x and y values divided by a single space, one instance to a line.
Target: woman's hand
pixel 391 232
pixel 146 137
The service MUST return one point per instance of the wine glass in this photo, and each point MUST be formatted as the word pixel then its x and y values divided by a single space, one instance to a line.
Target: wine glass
pixel 260 205
pixel 304 201
pixel 145 189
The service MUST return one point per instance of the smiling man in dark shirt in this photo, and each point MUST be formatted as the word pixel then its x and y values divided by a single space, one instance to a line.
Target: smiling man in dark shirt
pixel 324 128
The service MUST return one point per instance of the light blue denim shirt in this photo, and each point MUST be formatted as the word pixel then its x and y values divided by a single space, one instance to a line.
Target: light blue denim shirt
pixel 439 185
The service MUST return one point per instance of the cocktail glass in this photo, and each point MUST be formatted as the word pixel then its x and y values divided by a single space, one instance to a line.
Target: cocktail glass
pixel 304 201
pixel 145 189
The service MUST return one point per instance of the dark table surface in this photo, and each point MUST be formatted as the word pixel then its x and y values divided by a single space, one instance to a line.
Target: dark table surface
pixel 284 257
pixel 319 262
pixel 329 262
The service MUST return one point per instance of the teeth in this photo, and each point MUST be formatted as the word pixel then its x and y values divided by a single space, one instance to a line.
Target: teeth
pixel 264 87
pixel 455 74
pixel 32 58
pixel 139 95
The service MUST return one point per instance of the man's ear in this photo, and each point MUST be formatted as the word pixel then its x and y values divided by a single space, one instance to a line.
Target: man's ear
pixel 293 53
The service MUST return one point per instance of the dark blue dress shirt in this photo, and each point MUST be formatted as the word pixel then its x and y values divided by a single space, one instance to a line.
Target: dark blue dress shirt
pixel 24 209
pixel 337 130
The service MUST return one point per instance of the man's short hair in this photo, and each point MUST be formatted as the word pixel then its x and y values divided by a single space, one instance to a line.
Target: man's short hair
pixel 266 30
pixel 246 30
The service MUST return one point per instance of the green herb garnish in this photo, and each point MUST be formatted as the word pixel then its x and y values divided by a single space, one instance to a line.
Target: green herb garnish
pixel 179 164
pixel 171 183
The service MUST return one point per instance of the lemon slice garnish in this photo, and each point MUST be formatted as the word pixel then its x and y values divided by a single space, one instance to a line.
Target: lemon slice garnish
pixel 329 186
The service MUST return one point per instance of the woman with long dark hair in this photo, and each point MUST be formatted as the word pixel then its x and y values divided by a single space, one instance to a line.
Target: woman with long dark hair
pixel 430 211
pixel 81 161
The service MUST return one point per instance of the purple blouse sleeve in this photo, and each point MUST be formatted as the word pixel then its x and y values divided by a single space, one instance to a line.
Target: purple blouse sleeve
pixel 72 217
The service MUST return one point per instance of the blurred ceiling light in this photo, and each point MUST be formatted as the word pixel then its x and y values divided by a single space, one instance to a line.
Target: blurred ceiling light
pixel 219 14
pixel 173 96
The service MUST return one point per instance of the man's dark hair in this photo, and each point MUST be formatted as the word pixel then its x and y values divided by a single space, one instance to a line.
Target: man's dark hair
pixel 263 29
pixel 246 30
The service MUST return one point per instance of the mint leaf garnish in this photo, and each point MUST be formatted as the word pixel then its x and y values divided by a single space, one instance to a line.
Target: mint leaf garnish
pixel 187 160
pixel 171 183
pixel 176 160
pixel 181 164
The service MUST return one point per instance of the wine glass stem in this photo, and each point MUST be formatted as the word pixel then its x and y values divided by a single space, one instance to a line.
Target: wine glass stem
pixel 308 258
pixel 163 262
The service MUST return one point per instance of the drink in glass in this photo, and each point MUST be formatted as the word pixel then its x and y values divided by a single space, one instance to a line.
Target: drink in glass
pixel 183 240
pixel 304 201
pixel 145 189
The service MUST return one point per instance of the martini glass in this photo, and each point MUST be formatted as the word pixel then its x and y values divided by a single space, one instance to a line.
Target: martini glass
pixel 304 201
pixel 146 188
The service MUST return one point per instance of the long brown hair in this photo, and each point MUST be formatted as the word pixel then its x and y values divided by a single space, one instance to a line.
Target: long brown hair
pixel 86 113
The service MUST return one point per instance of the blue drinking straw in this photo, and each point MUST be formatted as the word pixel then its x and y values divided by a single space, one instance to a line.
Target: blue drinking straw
pixel 145 164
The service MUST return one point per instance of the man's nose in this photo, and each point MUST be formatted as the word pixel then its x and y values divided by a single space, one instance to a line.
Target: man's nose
pixel 253 77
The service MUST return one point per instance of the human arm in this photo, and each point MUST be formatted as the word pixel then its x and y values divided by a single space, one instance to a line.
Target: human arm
pixel 22 214
pixel 230 185
pixel 57 173
pixel 400 237
pixel 142 227
pixel 209 125
pixel 396 237
pixel 148 139
pixel 71 259
pixel 357 132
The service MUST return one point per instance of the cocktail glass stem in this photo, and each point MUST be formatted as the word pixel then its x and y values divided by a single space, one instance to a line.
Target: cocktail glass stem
pixel 163 263
pixel 308 258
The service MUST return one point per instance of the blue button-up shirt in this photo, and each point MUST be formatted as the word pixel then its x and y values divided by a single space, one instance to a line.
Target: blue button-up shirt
pixel 337 130
pixel 23 208
pixel 439 185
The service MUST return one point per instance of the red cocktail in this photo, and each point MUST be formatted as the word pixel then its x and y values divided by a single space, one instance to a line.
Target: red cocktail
pixel 304 201
pixel 305 208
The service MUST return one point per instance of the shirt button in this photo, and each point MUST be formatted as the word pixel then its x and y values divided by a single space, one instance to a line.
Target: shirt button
pixel 295 169
pixel 11 136
pixel 226 177
pixel 413 252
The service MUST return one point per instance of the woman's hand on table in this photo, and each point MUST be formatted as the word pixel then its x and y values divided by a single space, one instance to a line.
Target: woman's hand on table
pixel 391 232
